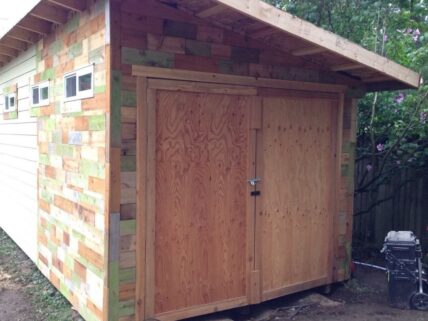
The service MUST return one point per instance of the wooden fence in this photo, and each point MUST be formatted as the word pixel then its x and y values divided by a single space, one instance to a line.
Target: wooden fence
pixel 406 208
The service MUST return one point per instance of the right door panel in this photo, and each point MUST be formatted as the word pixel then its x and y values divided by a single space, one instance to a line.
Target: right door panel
pixel 296 162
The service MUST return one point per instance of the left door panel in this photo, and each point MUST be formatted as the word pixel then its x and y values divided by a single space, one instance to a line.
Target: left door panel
pixel 199 205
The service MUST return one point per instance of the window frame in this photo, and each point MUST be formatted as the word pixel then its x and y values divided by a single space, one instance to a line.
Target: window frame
pixel 4 105
pixel 40 86
pixel 80 94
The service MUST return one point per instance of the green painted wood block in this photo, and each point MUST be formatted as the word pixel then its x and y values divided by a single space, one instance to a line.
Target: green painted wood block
pixel 127 275
pixel 35 112
pixel 72 24
pixel 180 29
pixel 128 227
pixel 345 170
pixel 44 159
pixel 249 55
pixel 86 199
pixel 89 168
pixel 49 125
pixel 198 48
pixel 128 164
pixel 97 122
pixel 116 105
pixel 99 89
pixel 225 66
pixel 113 286
pixel 64 150
pixel 56 47
pixel 75 50
pixel 129 98
pixel 133 56
pixel 126 308
pixel 47 74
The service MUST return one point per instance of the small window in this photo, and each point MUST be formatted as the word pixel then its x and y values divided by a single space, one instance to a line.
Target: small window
pixel 9 102
pixel 40 94
pixel 79 84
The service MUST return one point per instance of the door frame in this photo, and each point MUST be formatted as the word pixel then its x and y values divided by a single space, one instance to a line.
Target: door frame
pixel 150 79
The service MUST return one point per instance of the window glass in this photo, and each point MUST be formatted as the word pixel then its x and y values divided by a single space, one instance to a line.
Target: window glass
pixel 12 101
pixel 44 93
pixel 6 103
pixel 85 82
pixel 70 85
pixel 36 95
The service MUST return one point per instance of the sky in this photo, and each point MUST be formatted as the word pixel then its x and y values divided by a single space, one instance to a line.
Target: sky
pixel 11 10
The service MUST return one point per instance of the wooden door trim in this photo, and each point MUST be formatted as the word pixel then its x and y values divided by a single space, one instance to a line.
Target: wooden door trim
pixel 197 76
pixel 140 304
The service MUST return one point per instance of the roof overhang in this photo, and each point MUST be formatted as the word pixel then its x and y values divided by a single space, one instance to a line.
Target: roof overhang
pixel 253 18
pixel 34 22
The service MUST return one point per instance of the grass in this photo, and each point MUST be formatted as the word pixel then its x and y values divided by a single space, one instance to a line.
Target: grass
pixel 48 303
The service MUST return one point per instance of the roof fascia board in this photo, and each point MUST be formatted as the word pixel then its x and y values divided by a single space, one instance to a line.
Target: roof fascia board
pixel 308 32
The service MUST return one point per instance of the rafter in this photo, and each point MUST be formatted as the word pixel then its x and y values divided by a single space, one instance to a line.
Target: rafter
pixel 23 35
pixel 346 67
pixel 211 11
pixel 4 59
pixel 49 13
pixel 35 25
pixel 7 51
pixel 14 44
pixel 74 5
pixel 308 51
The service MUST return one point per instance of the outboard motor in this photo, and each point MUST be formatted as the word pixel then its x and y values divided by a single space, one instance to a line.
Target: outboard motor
pixel 403 255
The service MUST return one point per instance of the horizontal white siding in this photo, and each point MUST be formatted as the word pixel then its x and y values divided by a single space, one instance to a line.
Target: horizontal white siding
pixel 18 159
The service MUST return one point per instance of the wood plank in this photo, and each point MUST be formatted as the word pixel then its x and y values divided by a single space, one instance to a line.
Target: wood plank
pixel 296 191
pixel 23 35
pixel 201 201
pixel 142 155
pixel 50 13
pixel 214 10
pixel 318 37
pixel 74 5
pixel 14 43
pixel 36 25
pixel 308 51
pixel 165 73
pixel 150 217
pixel 346 67
pixel 7 51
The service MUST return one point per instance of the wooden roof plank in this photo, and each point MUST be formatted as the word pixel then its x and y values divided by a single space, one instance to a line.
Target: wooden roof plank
pixel 346 67
pixel 211 11
pixel 7 51
pixel 23 35
pixel 49 13
pixel 308 51
pixel 74 5
pixel 319 37
pixel 14 44
pixel 35 25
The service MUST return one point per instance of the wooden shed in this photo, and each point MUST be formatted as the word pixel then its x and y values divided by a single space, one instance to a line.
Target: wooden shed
pixel 171 158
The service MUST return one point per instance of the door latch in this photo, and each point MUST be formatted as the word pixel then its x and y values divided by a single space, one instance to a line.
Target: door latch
pixel 254 181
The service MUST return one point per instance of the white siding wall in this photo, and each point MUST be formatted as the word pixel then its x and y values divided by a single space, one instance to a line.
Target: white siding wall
pixel 18 159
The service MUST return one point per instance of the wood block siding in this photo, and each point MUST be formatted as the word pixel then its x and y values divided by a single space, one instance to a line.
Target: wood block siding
pixel 19 156
pixel 73 164
pixel 149 33
pixel 344 219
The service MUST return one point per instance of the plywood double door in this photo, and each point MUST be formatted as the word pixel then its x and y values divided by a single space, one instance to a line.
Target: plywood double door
pixel 239 197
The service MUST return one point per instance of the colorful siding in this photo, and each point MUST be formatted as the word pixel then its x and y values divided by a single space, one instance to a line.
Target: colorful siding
pixel 73 165
pixel 152 34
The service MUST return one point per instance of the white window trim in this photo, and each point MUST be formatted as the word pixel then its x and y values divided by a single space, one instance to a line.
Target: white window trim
pixel 2 103
pixel 10 109
pixel 80 94
pixel 40 86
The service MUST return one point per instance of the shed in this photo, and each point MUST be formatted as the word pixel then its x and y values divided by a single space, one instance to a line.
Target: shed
pixel 171 158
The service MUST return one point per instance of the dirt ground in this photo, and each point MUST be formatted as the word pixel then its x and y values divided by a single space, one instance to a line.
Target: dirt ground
pixel 25 295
